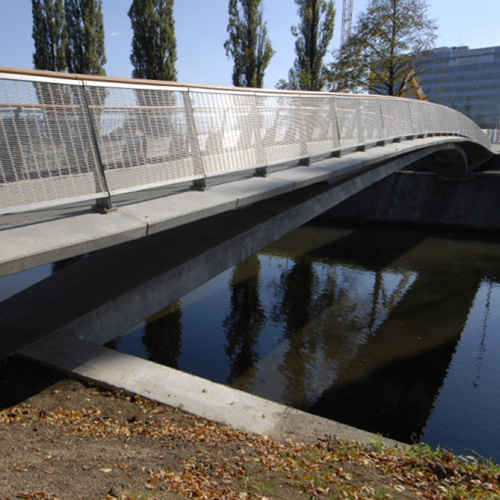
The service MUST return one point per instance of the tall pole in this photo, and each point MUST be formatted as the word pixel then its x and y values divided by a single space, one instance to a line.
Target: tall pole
pixel 346 22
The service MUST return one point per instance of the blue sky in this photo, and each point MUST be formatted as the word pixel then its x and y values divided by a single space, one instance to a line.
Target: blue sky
pixel 201 32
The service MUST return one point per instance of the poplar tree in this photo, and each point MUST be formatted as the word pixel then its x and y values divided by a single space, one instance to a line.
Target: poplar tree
pixel 154 46
pixel 313 36
pixel 386 46
pixel 86 51
pixel 49 35
pixel 248 43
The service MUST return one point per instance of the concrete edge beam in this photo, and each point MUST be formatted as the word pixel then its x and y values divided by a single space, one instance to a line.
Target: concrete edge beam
pixel 175 210
pixel 255 189
pixel 35 245
pixel 195 395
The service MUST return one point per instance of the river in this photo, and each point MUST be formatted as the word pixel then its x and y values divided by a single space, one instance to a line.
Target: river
pixel 392 330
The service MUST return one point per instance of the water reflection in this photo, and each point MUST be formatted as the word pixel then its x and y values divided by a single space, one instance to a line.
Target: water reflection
pixel 294 312
pixel 361 326
pixel 244 321
pixel 162 336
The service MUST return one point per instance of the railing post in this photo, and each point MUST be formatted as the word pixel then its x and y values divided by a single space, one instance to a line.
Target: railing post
pixel 261 150
pixel 102 205
pixel 361 131
pixel 304 151
pixel 383 141
pixel 194 145
pixel 337 149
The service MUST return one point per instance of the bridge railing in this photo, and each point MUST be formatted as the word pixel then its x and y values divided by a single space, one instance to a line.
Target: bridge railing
pixel 66 138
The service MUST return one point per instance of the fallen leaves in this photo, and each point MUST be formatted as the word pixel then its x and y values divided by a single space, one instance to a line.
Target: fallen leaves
pixel 20 468
pixel 36 495
pixel 213 461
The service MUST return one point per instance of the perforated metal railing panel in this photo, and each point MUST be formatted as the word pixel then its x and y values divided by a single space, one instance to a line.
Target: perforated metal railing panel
pixel 144 134
pixel 69 138
pixel 47 151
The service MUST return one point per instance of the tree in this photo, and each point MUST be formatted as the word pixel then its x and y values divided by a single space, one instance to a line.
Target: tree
pixel 313 36
pixel 386 45
pixel 154 47
pixel 248 43
pixel 49 35
pixel 86 52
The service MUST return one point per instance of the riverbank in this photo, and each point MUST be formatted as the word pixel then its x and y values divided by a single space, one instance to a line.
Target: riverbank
pixel 63 439
pixel 423 199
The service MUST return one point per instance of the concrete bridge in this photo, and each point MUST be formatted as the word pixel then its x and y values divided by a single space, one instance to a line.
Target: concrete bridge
pixel 135 149
pixel 261 164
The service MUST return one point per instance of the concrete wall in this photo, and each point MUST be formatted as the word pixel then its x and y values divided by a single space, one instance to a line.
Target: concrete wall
pixel 427 200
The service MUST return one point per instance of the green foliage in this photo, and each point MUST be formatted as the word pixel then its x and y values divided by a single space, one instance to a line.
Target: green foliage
pixel 86 52
pixel 313 36
pixel 377 444
pixel 154 46
pixel 49 35
pixel 387 43
pixel 248 43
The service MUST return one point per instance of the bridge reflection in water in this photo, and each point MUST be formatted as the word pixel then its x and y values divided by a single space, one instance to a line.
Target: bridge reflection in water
pixel 362 326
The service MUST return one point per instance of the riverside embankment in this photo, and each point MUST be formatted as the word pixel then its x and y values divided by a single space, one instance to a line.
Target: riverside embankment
pixel 425 199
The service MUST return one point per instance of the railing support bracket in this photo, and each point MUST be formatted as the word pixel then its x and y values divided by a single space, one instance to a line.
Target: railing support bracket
pixel 261 172
pixel 103 206
pixel 200 185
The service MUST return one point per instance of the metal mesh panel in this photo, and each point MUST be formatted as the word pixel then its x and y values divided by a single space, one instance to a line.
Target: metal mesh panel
pixel 143 136
pixel 396 117
pixel 431 119
pixel 227 127
pixel 47 152
pixel 349 121
pixel 371 118
pixel 281 122
pixel 389 110
pixel 417 111
pixel 319 124
pixel 404 118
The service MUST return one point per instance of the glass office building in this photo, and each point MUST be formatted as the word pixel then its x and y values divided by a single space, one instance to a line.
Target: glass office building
pixel 467 80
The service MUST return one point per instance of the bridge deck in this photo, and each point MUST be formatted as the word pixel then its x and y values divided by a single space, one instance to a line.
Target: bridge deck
pixel 37 238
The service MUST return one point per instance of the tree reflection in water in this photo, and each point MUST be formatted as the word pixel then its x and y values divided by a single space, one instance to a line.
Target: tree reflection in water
pixel 245 319
pixel 162 335
pixel 295 313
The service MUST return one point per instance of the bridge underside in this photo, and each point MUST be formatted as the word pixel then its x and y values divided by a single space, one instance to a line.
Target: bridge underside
pixel 64 233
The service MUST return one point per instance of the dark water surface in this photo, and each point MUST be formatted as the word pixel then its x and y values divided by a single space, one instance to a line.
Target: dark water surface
pixel 391 330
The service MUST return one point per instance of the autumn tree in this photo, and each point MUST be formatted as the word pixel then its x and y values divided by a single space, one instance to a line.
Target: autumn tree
pixel 154 46
pixel 49 35
pixel 386 45
pixel 248 43
pixel 86 51
pixel 313 35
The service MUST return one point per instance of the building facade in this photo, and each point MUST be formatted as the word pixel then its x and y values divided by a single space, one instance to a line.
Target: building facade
pixel 467 80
